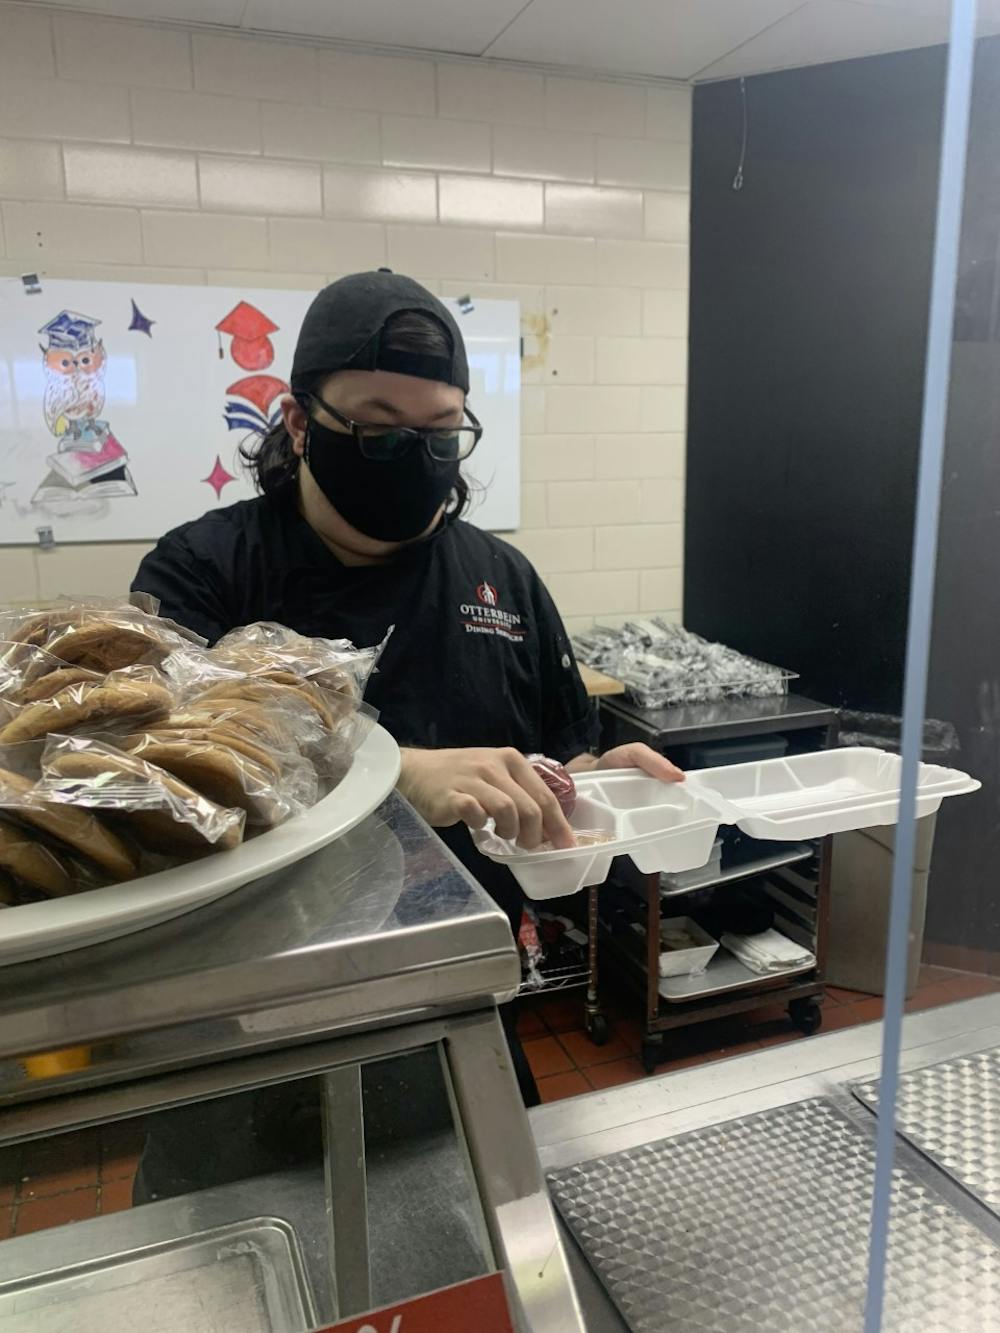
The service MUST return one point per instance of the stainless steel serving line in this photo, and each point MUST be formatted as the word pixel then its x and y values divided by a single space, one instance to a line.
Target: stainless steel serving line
pixel 356 989
pixel 736 1195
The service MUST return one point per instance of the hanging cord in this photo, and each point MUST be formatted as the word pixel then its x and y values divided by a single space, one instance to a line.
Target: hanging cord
pixel 738 178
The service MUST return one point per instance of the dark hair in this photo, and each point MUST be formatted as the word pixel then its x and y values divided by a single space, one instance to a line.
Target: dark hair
pixel 274 464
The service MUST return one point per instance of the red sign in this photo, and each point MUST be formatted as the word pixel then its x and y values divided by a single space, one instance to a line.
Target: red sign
pixel 479 1306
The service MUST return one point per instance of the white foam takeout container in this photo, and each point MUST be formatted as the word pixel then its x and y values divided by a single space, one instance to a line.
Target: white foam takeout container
pixel 672 826
pixel 660 825
pixel 830 791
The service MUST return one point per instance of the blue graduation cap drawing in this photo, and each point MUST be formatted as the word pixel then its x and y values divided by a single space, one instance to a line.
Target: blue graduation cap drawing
pixel 70 331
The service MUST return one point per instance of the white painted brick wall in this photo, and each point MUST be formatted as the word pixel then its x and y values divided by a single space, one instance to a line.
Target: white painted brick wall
pixel 202 157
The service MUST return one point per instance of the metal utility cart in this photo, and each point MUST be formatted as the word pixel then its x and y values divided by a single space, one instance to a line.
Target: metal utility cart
pixel 315 1071
pixel 797 875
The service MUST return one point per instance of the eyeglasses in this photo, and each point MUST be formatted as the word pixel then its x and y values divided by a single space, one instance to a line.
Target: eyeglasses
pixel 386 444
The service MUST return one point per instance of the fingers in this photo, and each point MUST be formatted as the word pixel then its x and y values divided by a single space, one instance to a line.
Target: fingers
pixel 501 803
pixel 656 765
pixel 553 825
pixel 506 789
pixel 467 810
pixel 641 756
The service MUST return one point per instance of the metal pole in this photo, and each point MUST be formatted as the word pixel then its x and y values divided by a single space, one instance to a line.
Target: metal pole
pixel 937 372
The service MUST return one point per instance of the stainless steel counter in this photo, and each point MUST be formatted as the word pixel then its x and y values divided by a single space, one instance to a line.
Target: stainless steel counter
pixel 382 926
pixel 358 987
pixel 689 1103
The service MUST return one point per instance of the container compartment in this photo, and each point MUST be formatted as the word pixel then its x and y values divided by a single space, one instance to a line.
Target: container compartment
pixel 629 791
pixel 685 962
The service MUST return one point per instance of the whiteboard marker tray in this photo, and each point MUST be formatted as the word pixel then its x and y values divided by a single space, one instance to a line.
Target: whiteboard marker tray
pixel 246 1277
pixel 39 929
pixel 661 825
pixel 830 791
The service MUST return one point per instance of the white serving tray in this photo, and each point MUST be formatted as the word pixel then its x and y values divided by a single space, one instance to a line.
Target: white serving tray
pixel 39 929
pixel 672 826
pixel 831 791
pixel 660 825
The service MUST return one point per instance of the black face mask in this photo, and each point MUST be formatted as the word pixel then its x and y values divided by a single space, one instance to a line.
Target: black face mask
pixel 390 501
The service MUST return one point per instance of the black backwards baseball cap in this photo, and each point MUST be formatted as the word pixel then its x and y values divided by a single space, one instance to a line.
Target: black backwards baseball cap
pixel 344 325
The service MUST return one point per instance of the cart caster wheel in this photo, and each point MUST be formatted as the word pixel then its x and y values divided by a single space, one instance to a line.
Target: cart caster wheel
pixel 806 1015
pixel 652 1054
pixel 597 1027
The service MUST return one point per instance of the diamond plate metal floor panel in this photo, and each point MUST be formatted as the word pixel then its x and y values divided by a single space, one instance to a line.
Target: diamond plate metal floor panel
pixel 762 1224
pixel 951 1112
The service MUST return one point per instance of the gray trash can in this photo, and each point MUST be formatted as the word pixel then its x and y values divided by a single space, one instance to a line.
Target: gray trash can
pixel 860 887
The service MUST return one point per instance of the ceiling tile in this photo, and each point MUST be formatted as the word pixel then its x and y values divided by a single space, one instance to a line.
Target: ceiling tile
pixel 225 12
pixel 671 38
pixel 827 30
pixel 987 11
pixel 466 26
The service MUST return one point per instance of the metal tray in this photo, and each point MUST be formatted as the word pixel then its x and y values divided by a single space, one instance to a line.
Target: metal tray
pixel 725 972
pixel 246 1277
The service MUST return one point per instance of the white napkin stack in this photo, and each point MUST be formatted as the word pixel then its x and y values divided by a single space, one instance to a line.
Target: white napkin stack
pixel 768 952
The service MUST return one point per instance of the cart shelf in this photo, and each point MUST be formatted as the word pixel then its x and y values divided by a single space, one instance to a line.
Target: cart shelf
pixel 776 856
pixel 724 973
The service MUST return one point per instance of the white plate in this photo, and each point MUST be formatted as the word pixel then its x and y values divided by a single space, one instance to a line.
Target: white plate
pixel 40 929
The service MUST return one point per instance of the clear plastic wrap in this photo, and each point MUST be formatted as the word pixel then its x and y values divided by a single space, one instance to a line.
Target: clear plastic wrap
pixel 97 850
pixel 333 664
pixel 158 810
pixel 33 864
pixel 325 725
pixel 884 731
pixel 100 635
pixel 28 674
pixel 126 745
pixel 126 697
pixel 558 780
pixel 662 664
pixel 532 953
pixel 269 789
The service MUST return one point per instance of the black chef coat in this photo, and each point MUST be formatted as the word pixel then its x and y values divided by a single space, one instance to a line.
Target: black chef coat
pixel 478 655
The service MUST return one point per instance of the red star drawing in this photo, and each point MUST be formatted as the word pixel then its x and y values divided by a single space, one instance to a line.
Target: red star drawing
pixel 218 478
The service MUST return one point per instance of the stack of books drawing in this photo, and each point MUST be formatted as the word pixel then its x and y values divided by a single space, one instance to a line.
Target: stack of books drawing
pixel 88 464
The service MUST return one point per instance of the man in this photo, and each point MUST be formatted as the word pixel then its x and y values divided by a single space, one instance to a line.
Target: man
pixel 358 528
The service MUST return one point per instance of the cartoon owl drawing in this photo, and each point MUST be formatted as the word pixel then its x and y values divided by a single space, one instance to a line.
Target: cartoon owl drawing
pixel 75 366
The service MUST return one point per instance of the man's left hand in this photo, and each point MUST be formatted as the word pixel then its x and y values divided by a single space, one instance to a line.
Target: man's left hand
pixel 635 755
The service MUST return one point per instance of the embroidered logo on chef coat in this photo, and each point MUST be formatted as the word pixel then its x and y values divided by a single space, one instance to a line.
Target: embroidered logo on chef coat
pixel 486 616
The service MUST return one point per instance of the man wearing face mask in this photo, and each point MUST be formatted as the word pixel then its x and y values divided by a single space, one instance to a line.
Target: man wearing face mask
pixel 358 527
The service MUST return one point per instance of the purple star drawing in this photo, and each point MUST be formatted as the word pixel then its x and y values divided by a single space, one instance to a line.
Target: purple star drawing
pixel 140 323
pixel 218 478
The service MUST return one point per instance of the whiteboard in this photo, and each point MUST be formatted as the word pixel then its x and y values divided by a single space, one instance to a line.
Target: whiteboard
pixel 123 406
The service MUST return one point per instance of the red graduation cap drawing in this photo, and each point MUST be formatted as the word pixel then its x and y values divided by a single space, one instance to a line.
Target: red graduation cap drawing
pixel 251 347
pixel 261 390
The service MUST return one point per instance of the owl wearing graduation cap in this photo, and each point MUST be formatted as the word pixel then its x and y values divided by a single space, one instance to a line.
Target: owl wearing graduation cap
pixel 75 366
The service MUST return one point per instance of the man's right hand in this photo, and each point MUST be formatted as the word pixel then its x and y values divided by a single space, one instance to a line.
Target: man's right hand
pixel 472 786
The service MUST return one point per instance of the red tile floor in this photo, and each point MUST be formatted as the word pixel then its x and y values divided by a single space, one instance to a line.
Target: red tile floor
pixel 90 1172
pixel 565 1061
pixel 66 1179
